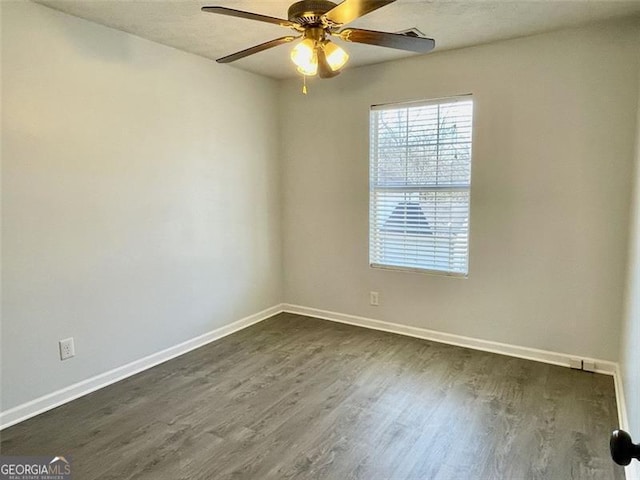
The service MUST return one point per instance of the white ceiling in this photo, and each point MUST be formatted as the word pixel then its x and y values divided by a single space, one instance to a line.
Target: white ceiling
pixel 453 24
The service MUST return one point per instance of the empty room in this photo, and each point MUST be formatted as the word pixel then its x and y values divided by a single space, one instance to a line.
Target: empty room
pixel 368 239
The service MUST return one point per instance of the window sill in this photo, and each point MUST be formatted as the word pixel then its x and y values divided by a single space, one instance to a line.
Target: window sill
pixel 426 271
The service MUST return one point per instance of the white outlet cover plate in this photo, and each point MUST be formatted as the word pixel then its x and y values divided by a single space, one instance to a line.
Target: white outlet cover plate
pixel 67 348
pixel 374 298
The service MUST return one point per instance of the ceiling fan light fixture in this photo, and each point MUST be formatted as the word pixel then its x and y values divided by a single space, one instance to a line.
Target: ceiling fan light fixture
pixel 336 56
pixel 305 57
pixel 316 21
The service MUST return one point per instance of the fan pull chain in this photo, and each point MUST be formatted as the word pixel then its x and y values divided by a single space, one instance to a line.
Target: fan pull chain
pixel 304 84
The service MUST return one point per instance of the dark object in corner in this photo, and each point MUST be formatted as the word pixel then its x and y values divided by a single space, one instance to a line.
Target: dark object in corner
pixel 623 450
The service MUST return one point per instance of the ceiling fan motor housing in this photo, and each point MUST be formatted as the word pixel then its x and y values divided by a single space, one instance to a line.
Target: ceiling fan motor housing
pixel 308 13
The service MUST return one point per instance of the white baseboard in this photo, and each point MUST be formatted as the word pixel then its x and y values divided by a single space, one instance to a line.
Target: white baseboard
pixel 67 394
pixel 623 420
pixel 545 356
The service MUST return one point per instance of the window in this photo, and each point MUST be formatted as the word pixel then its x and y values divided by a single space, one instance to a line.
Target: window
pixel 420 161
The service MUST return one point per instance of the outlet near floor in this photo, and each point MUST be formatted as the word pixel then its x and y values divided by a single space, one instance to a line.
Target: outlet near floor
pixel 374 299
pixel 67 348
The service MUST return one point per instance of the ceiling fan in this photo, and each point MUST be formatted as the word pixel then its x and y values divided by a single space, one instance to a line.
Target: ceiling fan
pixel 316 21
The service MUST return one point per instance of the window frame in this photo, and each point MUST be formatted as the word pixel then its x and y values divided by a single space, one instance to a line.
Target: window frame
pixel 448 188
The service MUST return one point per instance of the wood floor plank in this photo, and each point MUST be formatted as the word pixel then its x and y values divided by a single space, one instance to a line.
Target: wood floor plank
pixel 300 398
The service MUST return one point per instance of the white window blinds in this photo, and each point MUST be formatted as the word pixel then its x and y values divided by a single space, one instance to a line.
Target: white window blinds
pixel 420 177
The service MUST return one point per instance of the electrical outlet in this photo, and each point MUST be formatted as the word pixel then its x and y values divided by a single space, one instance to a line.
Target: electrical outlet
pixel 575 363
pixel 67 348
pixel 374 299
pixel 589 365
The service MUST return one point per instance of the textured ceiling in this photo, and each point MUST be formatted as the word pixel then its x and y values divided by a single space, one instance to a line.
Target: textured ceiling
pixel 182 25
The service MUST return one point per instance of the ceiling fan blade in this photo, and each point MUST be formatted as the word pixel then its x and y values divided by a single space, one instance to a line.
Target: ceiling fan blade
pixel 349 10
pixel 324 70
pixel 248 15
pixel 258 48
pixel 391 40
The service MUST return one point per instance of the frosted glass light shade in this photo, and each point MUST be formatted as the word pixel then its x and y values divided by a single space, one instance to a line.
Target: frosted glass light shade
pixel 304 56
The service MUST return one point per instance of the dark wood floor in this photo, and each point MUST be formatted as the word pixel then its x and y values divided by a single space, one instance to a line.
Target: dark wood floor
pixel 295 397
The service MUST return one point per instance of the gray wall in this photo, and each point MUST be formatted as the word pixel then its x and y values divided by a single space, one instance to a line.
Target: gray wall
pixel 552 156
pixel 140 198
